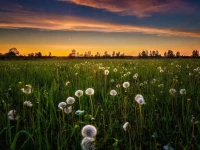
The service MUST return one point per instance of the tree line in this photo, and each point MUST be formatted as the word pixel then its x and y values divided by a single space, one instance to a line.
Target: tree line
pixel 14 53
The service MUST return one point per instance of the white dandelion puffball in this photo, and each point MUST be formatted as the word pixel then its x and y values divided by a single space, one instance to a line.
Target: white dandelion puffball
pixel 115 70
pixel 27 89
pixel 139 99
pixel 89 131
pixel 12 115
pixel 62 105
pixel 106 72
pixel 67 83
pixel 182 91
pixel 126 126
pixel 172 91
pixel 79 93
pixel 126 84
pixel 89 91
pixel 28 104
pixel 135 76
pixel 70 100
pixel 68 110
pixel 87 143
pixel 113 92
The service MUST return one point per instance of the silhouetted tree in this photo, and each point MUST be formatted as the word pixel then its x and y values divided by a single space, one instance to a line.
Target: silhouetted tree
pixel 12 52
pixel 178 54
pixel 195 53
pixel 38 54
pixel 170 53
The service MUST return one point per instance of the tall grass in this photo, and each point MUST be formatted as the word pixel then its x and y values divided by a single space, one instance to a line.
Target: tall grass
pixel 163 120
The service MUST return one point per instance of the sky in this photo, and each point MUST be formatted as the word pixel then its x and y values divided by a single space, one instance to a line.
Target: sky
pixel 127 26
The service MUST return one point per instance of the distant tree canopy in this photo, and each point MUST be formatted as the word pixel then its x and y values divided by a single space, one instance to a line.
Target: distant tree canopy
pixel 12 52
pixel 195 53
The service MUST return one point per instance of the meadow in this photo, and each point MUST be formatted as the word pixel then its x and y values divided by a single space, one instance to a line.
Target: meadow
pixel 136 104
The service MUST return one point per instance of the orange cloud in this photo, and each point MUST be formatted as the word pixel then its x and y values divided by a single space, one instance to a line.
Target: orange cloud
pixel 61 22
pixel 138 8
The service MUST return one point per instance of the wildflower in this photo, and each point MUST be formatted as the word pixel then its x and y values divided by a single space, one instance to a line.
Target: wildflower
pixel 139 98
pixel 182 91
pixel 135 76
pixel 27 89
pixel 128 73
pixel 113 92
pixel 106 72
pixel 115 70
pixel 70 100
pixel 62 105
pixel 28 104
pixel 126 84
pixel 126 126
pixel 112 80
pixel 87 143
pixel 12 115
pixel 89 91
pixel 118 85
pixel 89 131
pixel 172 91
pixel 68 110
pixel 79 93
pixel 19 82
pixel 67 83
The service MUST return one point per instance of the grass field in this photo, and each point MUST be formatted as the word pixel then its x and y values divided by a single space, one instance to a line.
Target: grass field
pixel 30 92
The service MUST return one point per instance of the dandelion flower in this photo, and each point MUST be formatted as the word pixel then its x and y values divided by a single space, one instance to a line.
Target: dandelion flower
pixel 172 91
pixel 182 91
pixel 70 100
pixel 135 76
pixel 115 70
pixel 79 93
pixel 68 110
pixel 89 131
pixel 67 83
pixel 126 84
pixel 113 92
pixel 106 72
pixel 28 104
pixel 126 126
pixel 118 85
pixel 62 105
pixel 139 98
pixel 89 91
pixel 12 115
pixel 87 143
pixel 27 89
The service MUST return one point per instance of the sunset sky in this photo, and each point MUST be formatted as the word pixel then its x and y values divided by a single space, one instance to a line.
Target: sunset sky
pixel 128 26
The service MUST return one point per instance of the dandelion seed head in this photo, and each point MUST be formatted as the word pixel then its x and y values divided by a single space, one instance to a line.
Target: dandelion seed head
pixel 89 91
pixel 113 93
pixel 126 126
pixel 182 91
pixel 28 104
pixel 12 115
pixel 68 110
pixel 172 91
pixel 70 100
pixel 62 105
pixel 106 72
pixel 126 84
pixel 88 143
pixel 79 93
pixel 89 131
